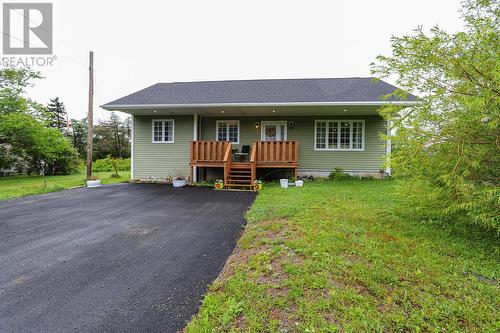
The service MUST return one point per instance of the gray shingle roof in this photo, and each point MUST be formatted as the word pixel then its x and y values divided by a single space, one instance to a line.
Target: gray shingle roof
pixel 261 91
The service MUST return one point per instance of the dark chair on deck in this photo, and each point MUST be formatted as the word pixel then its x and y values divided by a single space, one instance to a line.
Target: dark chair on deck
pixel 245 152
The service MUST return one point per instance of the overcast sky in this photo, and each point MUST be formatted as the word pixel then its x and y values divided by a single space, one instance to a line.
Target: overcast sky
pixel 139 43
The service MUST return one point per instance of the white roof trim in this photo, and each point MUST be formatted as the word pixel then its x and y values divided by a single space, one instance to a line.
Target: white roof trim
pixel 218 105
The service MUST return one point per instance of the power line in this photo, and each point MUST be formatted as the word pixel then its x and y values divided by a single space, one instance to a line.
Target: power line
pixel 57 55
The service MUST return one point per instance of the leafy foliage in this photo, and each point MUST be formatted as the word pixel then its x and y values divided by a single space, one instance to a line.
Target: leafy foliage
pixel 33 147
pixel 25 141
pixel 107 164
pixel 78 135
pixel 339 174
pixel 447 154
pixel 13 82
pixel 112 138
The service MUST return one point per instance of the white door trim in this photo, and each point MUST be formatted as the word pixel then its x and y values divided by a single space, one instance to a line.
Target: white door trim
pixel 273 122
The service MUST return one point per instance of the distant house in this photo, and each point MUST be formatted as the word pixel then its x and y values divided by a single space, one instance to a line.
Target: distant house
pixel 240 130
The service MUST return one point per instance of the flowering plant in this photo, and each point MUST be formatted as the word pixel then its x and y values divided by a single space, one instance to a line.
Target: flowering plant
pixel 219 184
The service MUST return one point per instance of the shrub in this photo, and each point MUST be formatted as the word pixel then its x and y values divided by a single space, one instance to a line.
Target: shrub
pixel 447 152
pixel 106 164
pixel 339 174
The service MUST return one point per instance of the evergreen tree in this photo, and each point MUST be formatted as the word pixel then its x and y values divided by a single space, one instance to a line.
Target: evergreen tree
pixel 78 135
pixel 57 115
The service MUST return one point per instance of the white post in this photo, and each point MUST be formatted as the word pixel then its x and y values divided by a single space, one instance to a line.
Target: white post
pixel 388 146
pixel 195 138
pixel 132 148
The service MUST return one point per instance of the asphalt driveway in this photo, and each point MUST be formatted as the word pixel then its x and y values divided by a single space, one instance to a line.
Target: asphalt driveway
pixel 124 258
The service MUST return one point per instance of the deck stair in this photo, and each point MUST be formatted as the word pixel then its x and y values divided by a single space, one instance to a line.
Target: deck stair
pixel 240 177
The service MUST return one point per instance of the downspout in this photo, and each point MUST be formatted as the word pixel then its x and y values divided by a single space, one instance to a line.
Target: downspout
pixel 388 147
pixel 132 148
pixel 195 138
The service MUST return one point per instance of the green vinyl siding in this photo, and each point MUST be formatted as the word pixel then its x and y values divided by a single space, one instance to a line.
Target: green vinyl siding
pixel 162 159
pixel 369 160
pixel 170 159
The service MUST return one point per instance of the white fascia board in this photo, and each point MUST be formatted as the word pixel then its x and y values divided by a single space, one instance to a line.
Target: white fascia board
pixel 218 105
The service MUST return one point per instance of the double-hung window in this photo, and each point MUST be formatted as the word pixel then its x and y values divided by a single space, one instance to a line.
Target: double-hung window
pixel 163 131
pixel 339 135
pixel 228 130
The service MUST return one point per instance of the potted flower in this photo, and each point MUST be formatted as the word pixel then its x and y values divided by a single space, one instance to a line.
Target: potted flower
pixel 219 184
pixel 257 185
pixel 179 181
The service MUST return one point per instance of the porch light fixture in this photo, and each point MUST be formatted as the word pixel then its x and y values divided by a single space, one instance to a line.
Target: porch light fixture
pixel 257 124
pixel 290 124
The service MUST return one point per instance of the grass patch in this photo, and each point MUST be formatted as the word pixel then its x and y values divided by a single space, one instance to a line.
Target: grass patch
pixel 349 256
pixel 20 186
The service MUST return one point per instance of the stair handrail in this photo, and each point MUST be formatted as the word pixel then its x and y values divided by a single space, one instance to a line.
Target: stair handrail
pixel 253 162
pixel 228 158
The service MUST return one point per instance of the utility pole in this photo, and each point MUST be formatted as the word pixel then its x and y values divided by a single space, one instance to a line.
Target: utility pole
pixel 90 116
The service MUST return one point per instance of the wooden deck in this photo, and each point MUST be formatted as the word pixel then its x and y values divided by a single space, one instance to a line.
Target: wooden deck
pixel 264 154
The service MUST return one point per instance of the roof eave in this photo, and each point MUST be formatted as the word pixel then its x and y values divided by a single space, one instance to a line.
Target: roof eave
pixel 111 107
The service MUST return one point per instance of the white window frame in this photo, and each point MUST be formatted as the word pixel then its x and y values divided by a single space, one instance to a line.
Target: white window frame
pixel 272 122
pixel 227 130
pixel 362 121
pixel 163 121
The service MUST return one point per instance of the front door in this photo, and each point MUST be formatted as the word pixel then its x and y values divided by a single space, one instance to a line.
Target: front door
pixel 273 131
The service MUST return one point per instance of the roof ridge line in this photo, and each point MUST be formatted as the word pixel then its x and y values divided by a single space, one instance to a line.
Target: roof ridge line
pixel 284 79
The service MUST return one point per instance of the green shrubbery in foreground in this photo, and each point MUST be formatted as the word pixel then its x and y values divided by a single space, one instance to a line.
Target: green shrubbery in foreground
pixel 109 163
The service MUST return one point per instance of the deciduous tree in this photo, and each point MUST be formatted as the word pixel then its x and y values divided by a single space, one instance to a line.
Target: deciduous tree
pixel 25 140
pixel 448 145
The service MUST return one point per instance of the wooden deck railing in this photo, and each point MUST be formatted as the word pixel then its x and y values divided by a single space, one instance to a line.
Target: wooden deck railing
pixel 264 154
pixel 209 151
pixel 253 162
pixel 277 152
pixel 228 159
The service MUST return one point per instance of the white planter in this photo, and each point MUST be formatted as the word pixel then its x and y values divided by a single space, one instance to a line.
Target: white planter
pixel 299 183
pixel 94 183
pixel 179 183
pixel 284 183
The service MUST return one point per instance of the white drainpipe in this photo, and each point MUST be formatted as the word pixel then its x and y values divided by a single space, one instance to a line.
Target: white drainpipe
pixel 132 143
pixel 195 138
pixel 388 146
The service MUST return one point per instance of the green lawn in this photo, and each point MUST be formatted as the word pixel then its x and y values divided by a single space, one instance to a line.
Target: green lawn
pixel 348 256
pixel 19 186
